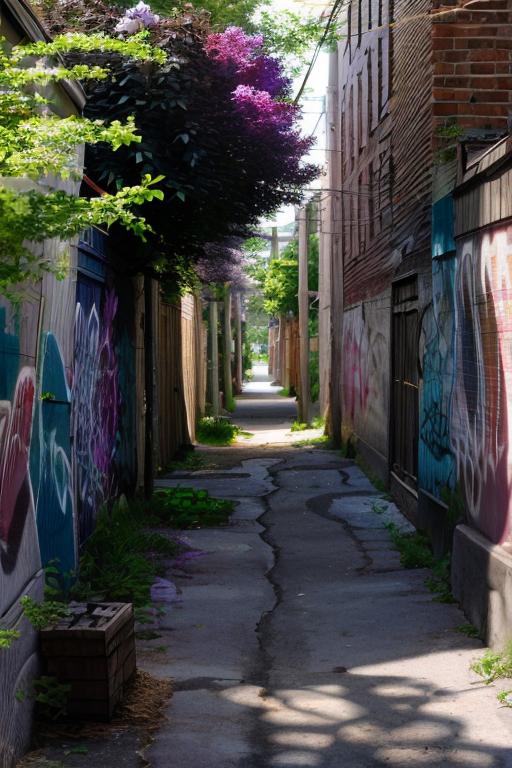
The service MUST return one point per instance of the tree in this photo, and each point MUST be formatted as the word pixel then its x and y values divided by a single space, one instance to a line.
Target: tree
pixel 214 123
pixel 280 279
pixel 34 143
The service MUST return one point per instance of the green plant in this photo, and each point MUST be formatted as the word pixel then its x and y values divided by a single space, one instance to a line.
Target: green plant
pixel 299 426
pixel 20 695
pixel 51 696
pixel 189 508
pixel 494 665
pixel 230 404
pixel 505 698
pixel 47 396
pixel 287 392
pixel 324 441
pixel 42 615
pixel 318 422
pixel 439 583
pixel 216 430
pixel 379 508
pixel 7 637
pixel 37 143
pixel 414 548
pixel 120 559
pixel 467 629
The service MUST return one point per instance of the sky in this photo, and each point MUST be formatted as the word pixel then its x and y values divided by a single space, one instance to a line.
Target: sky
pixel 313 102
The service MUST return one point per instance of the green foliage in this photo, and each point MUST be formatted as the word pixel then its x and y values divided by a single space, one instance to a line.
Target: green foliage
pixel 216 430
pixel 120 559
pixel 51 696
pixel 192 462
pixel 7 637
pixel 299 426
pixel 223 13
pixel 439 583
pixel 42 615
pixel 294 36
pixel 505 698
pixel 287 392
pixel 36 143
pixel 468 629
pixel 280 278
pixel 414 548
pixel 494 665
pixel 324 441
pixel 189 508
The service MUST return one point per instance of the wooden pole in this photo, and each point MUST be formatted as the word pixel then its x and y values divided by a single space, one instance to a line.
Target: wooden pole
pixel 239 373
pixel 149 384
pixel 226 357
pixel 335 421
pixel 304 393
pixel 214 358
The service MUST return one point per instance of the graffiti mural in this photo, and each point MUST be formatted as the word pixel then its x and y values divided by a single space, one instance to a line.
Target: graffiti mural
pixel 480 428
pixel 436 466
pixel 365 372
pixel 103 401
pixel 50 460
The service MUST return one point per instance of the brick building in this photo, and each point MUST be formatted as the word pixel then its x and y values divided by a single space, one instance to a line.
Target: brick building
pixel 419 89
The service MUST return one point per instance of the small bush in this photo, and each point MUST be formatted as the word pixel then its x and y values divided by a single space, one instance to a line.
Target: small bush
pixel 299 426
pixel 216 430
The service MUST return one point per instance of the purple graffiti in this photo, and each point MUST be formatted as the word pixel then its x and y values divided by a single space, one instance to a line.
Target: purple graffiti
pixel 96 402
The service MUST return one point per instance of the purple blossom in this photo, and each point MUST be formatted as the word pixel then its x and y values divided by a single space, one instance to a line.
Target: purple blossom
pixel 266 74
pixel 139 17
pixel 221 263
pixel 233 46
pixel 262 111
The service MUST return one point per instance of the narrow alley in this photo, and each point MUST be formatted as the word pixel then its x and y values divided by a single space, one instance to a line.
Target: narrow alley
pixel 300 640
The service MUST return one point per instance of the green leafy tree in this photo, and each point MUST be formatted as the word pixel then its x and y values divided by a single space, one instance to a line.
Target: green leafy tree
pixel 280 279
pixel 36 144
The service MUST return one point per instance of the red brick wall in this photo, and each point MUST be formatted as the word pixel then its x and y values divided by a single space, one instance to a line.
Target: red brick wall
pixel 472 65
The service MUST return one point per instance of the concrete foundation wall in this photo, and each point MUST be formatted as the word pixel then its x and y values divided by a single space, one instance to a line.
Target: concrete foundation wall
pixel 482 583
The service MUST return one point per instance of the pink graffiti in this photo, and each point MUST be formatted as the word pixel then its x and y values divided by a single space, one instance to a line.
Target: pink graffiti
pixel 483 388
pixel 15 432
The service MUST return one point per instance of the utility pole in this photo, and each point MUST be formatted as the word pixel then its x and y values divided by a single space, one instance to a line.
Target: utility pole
pixel 239 373
pixel 226 357
pixel 304 393
pixel 214 357
pixel 335 422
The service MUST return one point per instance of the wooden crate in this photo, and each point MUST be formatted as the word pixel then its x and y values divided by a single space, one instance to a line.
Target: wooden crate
pixel 93 650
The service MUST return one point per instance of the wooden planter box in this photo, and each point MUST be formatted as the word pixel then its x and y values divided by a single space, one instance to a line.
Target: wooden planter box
pixel 93 650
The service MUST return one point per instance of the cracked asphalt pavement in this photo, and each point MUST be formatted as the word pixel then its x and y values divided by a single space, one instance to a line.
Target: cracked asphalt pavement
pixel 299 639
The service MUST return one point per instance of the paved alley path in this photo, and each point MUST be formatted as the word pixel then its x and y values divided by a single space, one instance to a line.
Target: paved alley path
pixel 300 641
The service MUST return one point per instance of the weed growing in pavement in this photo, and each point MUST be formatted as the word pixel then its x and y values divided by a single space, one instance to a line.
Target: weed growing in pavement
pixel 324 441
pixel 189 508
pixel 299 426
pixel 505 698
pixel 379 508
pixel 414 548
pixel 439 583
pixel 468 629
pixel 494 665
pixel 121 558
pixel 216 430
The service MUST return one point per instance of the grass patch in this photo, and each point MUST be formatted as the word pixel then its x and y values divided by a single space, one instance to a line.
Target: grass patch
pixel 121 559
pixel 287 392
pixel 299 426
pixel 324 441
pixel 505 698
pixel 188 508
pixel 494 665
pixel 216 430
pixel 192 462
pixel 414 548
pixel 468 629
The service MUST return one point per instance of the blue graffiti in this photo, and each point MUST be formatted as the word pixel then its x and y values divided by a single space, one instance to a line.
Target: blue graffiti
pixel 50 460
pixel 436 462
